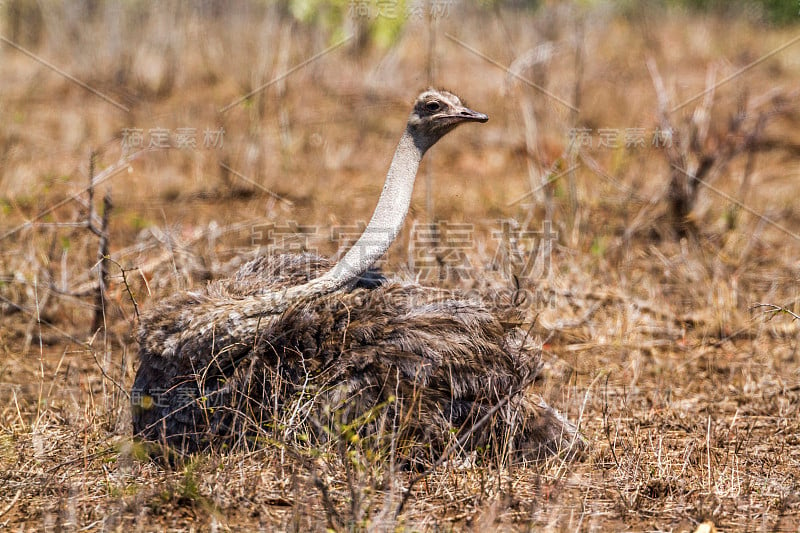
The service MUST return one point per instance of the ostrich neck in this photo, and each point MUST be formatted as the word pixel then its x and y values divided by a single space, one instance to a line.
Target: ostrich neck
pixel 387 220
pixel 383 227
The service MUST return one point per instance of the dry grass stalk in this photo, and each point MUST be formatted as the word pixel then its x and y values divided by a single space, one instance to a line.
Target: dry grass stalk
pixel 696 415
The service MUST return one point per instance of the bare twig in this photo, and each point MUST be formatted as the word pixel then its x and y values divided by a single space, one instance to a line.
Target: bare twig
pixel 102 250
pixel 697 160
pixel 106 375
pixel 777 309
pixel 124 272
pixel 107 174
pixel 11 504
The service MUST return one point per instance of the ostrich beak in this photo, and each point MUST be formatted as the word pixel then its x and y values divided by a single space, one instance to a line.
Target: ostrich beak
pixel 468 115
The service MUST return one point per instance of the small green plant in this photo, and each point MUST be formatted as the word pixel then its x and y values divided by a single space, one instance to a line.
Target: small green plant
pixel 189 486
pixel 380 21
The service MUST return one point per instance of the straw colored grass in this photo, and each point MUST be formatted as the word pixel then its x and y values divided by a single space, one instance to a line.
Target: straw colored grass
pixel 687 393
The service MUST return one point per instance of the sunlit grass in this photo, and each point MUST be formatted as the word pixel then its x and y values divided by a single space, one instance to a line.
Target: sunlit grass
pixel 688 395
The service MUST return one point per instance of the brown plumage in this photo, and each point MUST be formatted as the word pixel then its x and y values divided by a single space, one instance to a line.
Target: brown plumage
pixel 292 345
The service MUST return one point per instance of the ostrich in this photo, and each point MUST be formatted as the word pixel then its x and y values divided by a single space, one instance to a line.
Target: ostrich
pixel 294 342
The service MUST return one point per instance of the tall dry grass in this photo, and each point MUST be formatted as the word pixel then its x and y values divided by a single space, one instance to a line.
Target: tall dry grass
pixel 688 394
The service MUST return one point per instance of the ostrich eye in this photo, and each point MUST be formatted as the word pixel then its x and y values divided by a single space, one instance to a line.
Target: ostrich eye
pixel 433 105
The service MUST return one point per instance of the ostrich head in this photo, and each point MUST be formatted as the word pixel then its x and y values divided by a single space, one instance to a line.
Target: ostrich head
pixel 436 113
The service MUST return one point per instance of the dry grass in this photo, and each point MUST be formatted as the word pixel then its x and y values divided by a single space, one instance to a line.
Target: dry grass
pixel 688 394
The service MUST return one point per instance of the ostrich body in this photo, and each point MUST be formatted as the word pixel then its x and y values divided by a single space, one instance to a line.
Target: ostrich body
pixel 293 343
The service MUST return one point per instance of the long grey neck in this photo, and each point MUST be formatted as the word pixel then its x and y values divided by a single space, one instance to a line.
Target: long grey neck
pixel 387 220
pixel 383 228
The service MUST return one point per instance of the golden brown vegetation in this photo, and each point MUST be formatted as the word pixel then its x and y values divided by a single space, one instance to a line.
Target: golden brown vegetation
pixel 645 303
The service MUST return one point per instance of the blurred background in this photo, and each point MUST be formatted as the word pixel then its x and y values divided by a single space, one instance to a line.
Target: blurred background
pixel 222 128
pixel 637 181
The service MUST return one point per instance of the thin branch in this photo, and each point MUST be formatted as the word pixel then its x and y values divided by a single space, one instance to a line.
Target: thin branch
pixel 107 174
pixel 777 309
pixel 11 503
pixel 124 272
pixel 102 254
